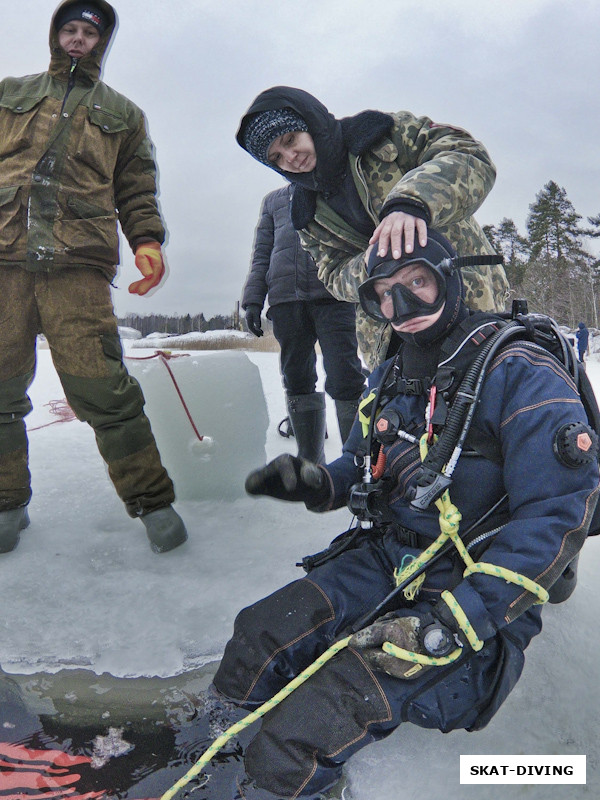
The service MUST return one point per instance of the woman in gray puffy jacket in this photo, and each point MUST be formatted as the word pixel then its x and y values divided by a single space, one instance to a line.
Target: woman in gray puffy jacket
pixel 303 313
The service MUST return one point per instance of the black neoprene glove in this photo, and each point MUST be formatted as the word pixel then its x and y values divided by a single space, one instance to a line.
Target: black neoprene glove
pixel 253 319
pixel 289 477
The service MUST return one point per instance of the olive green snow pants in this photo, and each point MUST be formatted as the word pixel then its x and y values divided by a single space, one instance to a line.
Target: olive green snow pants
pixel 73 309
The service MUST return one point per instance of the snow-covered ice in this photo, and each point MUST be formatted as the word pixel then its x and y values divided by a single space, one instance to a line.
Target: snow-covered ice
pixel 83 589
pixel 83 576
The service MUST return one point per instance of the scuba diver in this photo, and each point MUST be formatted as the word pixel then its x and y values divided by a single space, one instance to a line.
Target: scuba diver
pixel 473 471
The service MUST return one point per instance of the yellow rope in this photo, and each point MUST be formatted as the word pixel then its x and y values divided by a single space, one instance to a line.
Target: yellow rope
pixel 462 620
pixel 419 658
pixel 510 577
pixel 253 716
pixel 413 588
pixel 449 521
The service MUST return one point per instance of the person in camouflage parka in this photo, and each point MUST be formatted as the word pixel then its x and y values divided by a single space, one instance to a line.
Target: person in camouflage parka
pixel 75 153
pixel 377 177
pixel 76 157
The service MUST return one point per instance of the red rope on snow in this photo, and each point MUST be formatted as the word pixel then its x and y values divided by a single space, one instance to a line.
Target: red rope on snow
pixel 164 355
pixel 62 409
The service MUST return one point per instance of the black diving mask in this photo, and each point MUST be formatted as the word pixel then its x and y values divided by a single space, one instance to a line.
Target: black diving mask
pixel 405 303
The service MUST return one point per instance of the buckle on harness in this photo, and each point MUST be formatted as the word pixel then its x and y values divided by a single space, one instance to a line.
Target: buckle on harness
pixel 408 537
pixel 368 501
pixel 430 486
pixel 412 386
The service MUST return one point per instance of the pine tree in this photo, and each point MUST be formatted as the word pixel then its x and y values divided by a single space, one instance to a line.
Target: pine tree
pixel 507 241
pixel 492 237
pixel 595 223
pixel 556 266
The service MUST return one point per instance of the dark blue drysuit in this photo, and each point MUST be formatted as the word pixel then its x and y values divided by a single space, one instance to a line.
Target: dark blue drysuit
pixel 526 399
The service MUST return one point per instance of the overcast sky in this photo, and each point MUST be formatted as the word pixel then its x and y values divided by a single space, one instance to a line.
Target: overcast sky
pixel 520 75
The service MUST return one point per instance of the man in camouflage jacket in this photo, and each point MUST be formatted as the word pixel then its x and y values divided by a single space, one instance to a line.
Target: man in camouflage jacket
pixel 373 168
pixel 76 156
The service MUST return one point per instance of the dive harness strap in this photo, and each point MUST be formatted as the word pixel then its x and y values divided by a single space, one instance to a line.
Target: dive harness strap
pixel 449 519
pixel 458 262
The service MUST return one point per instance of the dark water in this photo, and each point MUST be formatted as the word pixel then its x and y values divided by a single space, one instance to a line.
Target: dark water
pixel 122 738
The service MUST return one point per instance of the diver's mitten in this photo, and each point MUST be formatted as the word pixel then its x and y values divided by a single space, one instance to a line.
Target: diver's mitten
pixel 291 478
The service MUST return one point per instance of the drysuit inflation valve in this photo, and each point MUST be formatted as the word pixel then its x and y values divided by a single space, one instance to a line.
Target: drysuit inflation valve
pixel 575 444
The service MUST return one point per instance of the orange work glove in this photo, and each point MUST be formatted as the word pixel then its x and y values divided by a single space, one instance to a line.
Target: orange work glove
pixel 149 261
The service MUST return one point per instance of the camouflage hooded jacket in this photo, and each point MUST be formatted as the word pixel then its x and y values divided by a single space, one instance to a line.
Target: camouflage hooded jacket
pixel 397 162
pixel 74 156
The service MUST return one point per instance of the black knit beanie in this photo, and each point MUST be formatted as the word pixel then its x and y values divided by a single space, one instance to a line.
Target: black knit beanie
pixel 264 127
pixel 86 12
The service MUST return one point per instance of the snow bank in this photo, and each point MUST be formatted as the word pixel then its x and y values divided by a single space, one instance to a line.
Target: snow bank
pixel 188 340
pixel 129 333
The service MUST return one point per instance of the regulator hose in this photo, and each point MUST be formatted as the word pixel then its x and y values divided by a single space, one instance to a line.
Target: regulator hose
pixel 459 419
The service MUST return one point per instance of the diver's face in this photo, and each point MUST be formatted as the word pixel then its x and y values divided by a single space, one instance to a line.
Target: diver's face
pixel 78 38
pixel 293 152
pixel 419 280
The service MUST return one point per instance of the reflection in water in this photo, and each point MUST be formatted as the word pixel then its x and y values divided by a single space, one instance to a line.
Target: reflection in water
pixel 90 747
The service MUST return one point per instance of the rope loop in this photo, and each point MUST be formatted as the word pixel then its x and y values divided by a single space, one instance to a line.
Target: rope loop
pixel 165 356
pixel 483 568
pixel 421 658
pixel 60 409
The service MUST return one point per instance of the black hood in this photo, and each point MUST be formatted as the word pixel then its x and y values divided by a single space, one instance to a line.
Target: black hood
pixel 324 128
pixel 333 140
pixel 90 66
pixel 454 310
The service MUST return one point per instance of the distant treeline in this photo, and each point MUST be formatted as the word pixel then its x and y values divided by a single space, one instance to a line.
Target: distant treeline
pixel 162 323
pixel 150 323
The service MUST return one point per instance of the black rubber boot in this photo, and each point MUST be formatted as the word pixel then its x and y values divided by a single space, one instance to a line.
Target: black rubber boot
pixel 307 415
pixel 165 529
pixel 11 524
pixel 346 413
